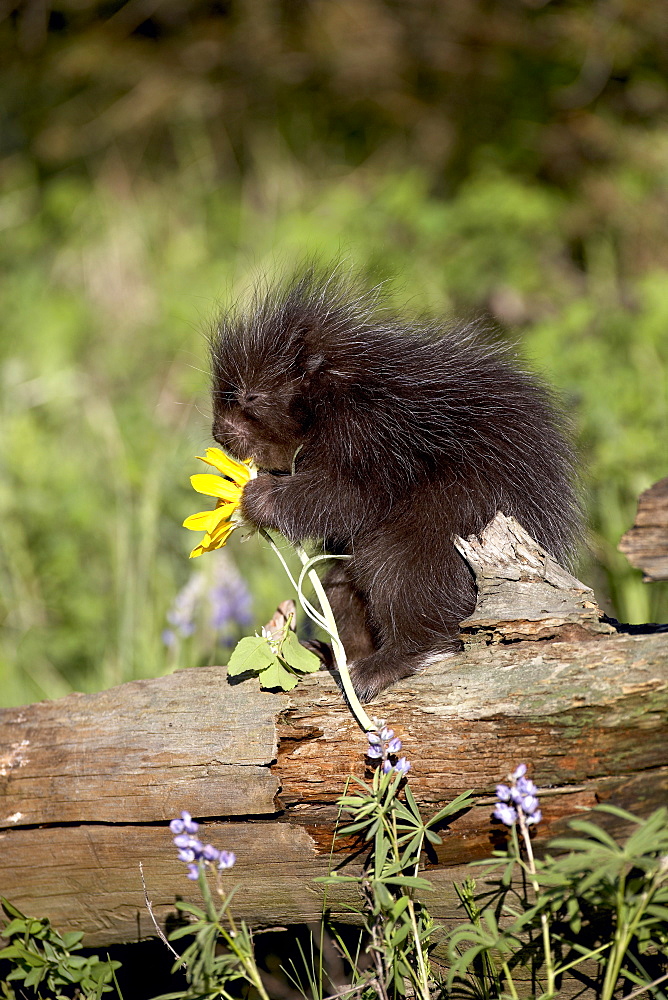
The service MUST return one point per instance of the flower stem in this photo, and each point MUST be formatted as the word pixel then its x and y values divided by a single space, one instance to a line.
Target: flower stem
pixel 509 980
pixel 306 605
pixel 337 646
pixel 327 622
pixel 545 924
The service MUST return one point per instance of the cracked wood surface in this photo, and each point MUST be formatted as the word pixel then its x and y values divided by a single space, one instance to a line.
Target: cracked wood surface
pixel 152 745
pixel 88 783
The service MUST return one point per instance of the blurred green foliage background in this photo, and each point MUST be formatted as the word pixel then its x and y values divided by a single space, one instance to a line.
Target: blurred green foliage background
pixel 498 157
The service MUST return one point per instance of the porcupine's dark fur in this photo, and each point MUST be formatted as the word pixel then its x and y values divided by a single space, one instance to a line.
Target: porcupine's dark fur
pixel 405 434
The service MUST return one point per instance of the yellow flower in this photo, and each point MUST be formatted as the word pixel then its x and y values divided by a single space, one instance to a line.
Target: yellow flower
pixel 227 488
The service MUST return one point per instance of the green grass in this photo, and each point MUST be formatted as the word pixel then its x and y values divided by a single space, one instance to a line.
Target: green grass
pixel 108 293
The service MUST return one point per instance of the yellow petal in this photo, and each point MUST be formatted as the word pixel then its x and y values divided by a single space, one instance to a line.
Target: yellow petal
pixel 216 486
pixel 221 533
pixel 238 472
pixel 214 540
pixel 206 520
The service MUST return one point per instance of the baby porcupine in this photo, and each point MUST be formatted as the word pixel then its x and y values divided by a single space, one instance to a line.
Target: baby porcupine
pixel 382 439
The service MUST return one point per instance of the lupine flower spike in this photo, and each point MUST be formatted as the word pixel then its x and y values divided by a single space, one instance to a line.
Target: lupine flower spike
pixel 193 852
pixel 519 797
pixel 384 747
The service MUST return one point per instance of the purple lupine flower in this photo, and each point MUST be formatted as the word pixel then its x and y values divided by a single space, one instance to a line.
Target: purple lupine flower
pixel 503 793
pixel 507 814
pixel 530 805
pixel 187 824
pixel 518 801
pixel 192 851
pixel 169 638
pixel 526 787
pixel 181 615
pixel 384 745
pixel 228 598
pixel 184 840
pixel 230 601
pixel 214 599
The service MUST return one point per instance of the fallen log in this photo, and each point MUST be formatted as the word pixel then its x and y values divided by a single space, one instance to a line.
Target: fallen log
pixel 89 782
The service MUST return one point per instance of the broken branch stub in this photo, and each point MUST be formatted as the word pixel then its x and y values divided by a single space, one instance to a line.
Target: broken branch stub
pixel 645 545
pixel 523 592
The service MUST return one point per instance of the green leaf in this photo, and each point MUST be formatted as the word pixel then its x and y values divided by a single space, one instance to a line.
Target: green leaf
pixel 33 977
pixel 381 847
pixel 10 909
pixel 16 926
pixel 187 929
pixel 297 656
pixel 400 935
pixel 410 881
pixel 277 676
pixel 410 799
pixel 399 907
pixel 184 907
pixel 464 800
pixel 250 655
pixel 71 939
pixel 382 894
pixel 595 832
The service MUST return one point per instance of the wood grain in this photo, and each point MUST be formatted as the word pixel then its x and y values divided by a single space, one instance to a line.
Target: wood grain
pixel 140 751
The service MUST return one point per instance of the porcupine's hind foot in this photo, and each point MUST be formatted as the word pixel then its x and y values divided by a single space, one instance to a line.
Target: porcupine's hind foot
pixel 374 673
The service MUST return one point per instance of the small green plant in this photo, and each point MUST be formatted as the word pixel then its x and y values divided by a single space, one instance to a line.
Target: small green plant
pixel 279 660
pixel 596 900
pixel 399 926
pixel 44 960
pixel 210 970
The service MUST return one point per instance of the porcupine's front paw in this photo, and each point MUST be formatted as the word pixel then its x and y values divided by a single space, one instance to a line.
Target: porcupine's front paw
pixel 257 500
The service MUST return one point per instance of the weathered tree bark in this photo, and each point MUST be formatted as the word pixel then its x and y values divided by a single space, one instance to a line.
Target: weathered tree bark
pixel 89 782
pixel 646 544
